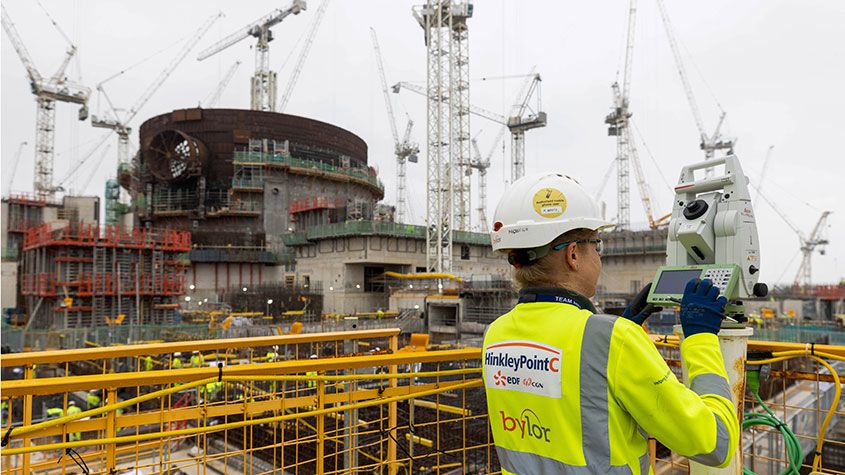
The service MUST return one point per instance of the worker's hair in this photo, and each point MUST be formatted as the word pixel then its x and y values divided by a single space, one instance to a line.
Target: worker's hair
pixel 544 272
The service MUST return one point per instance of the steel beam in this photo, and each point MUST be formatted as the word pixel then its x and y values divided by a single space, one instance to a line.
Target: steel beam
pixel 44 386
pixel 83 354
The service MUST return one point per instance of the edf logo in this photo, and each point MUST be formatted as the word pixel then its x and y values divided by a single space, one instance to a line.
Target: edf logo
pixel 502 380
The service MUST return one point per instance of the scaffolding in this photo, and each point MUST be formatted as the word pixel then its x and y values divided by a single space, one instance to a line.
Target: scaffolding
pixel 244 160
pixel 80 276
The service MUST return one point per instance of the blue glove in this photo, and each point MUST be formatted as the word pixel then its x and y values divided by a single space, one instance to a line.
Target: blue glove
pixel 702 310
pixel 639 310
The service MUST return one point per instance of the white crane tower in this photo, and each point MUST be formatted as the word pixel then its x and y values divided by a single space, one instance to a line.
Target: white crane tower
pixel 523 117
pixel 47 92
pixel 619 126
pixel 709 143
pixel 263 87
pixel 482 164
pixel 405 150
pixel 804 276
pixel 120 122
pixel 444 24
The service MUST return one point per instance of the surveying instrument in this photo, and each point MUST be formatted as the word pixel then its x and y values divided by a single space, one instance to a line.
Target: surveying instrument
pixel 712 235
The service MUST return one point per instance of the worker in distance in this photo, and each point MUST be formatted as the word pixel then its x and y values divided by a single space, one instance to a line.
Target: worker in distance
pixel 571 391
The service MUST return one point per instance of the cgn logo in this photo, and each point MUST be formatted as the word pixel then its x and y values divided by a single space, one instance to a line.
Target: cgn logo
pixel 526 425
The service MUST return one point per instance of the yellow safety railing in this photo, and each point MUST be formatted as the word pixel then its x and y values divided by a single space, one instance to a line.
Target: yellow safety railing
pixel 330 414
pixel 347 410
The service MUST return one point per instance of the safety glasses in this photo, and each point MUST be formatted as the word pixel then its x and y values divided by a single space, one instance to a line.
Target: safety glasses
pixel 598 242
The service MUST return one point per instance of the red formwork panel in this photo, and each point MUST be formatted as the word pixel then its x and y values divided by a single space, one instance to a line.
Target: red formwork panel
pixel 111 236
pixel 309 204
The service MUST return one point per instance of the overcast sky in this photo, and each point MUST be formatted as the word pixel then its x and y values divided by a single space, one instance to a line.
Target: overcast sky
pixel 776 66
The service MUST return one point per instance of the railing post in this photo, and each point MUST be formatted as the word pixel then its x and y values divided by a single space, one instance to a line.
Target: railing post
pixel 392 466
pixel 111 429
pixel 321 427
pixel 28 373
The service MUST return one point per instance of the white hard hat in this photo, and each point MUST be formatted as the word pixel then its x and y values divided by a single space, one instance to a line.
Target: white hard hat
pixel 538 208
pixel 177 354
pixel 195 352
pixel 71 403
pixel 276 347
pixel 313 356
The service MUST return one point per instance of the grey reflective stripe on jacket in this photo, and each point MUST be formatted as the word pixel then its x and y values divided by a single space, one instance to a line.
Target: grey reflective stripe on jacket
pixel 595 349
pixel 711 383
pixel 718 455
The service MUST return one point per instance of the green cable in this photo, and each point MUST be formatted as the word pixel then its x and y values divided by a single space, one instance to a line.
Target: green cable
pixel 794 454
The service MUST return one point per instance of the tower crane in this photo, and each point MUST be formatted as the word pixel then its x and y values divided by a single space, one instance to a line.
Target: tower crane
pixel 263 87
pixel 619 122
pixel 214 97
pixel 804 276
pixel 405 150
pixel 523 117
pixel 306 48
pixel 518 123
pixel 482 164
pixel 47 92
pixel 709 143
pixel 120 124
pixel 17 160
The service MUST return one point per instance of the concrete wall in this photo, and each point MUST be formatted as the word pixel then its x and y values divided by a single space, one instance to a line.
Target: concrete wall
pixel 628 274
pixel 216 277
pixel 631 259
pixel 9 284
pixel 339 263
pixel 85 208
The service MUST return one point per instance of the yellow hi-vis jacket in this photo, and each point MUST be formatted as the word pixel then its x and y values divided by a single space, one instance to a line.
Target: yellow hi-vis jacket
pixel 573 392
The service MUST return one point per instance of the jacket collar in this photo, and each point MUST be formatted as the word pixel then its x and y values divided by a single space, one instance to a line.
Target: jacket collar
pixel 535 294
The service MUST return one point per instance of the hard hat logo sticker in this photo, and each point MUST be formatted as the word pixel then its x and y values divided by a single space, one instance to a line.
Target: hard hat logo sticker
pixel 549 202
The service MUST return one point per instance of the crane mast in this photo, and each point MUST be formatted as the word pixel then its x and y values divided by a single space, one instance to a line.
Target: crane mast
pixel 618 126
pixel 300 63
pixel 404 150
pixel 709 143
pixel 263 82
pixel 518 123
pixel 444 24
pixel 214 97
pixel 47 92
pixel 482 165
